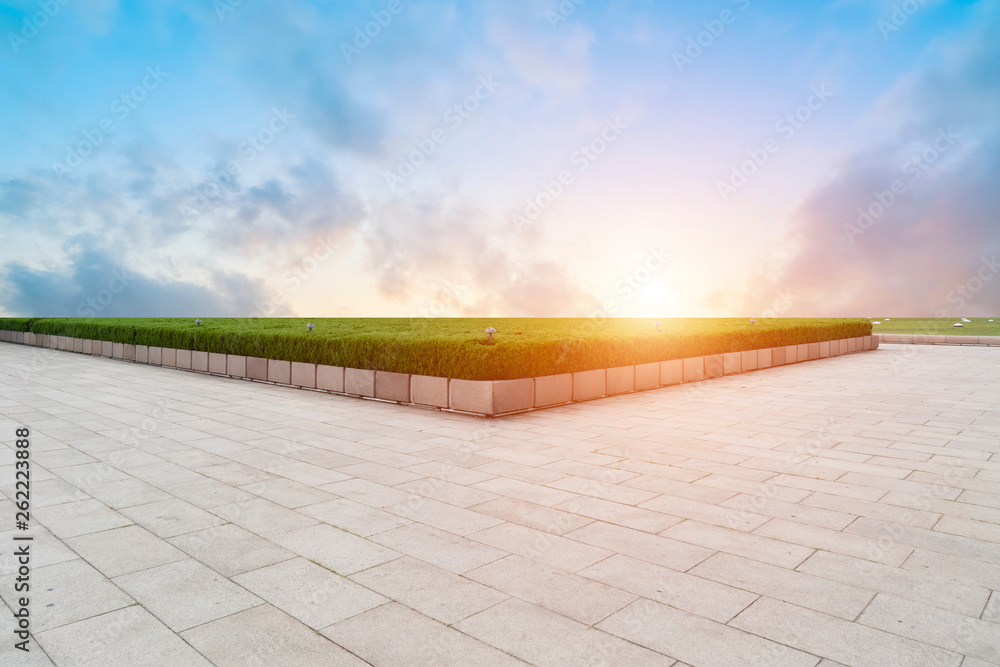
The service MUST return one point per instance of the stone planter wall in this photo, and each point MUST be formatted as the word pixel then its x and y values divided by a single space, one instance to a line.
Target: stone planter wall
pixel 914 339
pixel 488 397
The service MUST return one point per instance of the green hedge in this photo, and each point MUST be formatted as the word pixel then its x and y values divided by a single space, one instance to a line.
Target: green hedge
pixel 457 347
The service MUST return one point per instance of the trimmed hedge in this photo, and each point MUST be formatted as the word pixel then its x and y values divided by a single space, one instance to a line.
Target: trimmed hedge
pixel 456 347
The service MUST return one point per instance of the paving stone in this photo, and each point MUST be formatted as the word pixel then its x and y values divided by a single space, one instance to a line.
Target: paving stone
pixel 121 638
pixel 66 592
pixel 79 518
pixel 542 547
pixel 264 635
pixel 696 640
pixel 446 550
pixel 541 637
pixel 433 591
pixel 264 518
pixel 843 641
pixel 944 629
pixel 539 517
pixel 787 585
pixel 186 594
pixel 713 600
pixel 568 594
pixel 124 550
pixel 416 640
pixel 169 518
pixel 229 549
pixel 336 549
pixel 750 545
pixel 652 548
pixel 308 592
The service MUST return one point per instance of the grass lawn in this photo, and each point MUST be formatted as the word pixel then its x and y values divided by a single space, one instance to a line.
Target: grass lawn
pixel 937 326
pixel 456 347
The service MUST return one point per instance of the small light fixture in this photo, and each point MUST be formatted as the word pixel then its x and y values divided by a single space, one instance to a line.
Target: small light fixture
pixel 310 326
pixel 489 332
pixel 657 325
pixel 876 322
pixel 197 323
pixel 753 321
pixel 958 324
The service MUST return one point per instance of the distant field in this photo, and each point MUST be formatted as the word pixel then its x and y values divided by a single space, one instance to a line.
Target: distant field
pixel 456 347
pixel 931 326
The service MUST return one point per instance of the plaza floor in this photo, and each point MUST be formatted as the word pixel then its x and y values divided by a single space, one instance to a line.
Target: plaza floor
pixel 841 511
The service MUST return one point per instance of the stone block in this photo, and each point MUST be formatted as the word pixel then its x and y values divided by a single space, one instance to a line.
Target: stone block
pixel 732 363
pixel 764 358
pixel 392 386
pixel 470 396
pixel 553 389
pixel 671 372
pixel 199 361
pixel 304 375
pixel 141 354
pixel 620 380
pixel 852 345
pixel 876 340
pixel 236 365
pixel 791 354
pixel 184 359
pixel 216 363
pixel 513 395
pixel 155 356
pixel 748 360
pixel 694 368
pixel 824 349
pixel 106 348
pixel 87 346
pixel 957 340
pixel 168 357
pixel 647 376
pixel 78 345
pixel 715 365
pixel 588 384
pixel 989 340
pixel 279 371
pixel 933 340
pixel 129 354
pixel 424 390
pixel 359 382
pixel 777 356
pixel 331 378
pixel 29 338
pixel 812 351
pixel 256 368
pixel 802 354
pixel 118 350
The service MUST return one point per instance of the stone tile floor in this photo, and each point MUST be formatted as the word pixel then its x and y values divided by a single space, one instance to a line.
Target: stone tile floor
pixel 843 511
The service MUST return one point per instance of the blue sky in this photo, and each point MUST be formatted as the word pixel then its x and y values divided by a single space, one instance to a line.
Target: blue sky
pixel 498 158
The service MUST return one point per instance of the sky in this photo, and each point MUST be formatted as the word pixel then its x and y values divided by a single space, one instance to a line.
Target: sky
pixel 400 158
